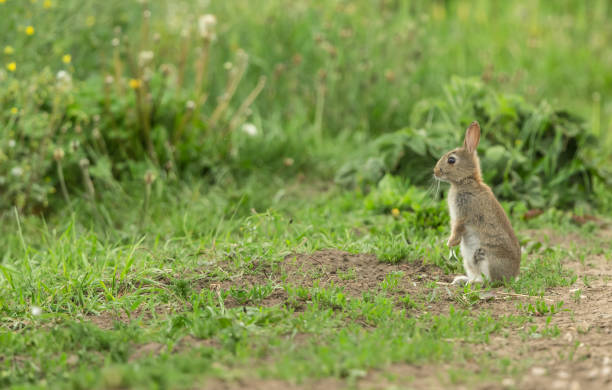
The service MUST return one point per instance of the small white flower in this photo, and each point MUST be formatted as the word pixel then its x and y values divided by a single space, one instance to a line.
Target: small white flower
pixel 115 42
pixel 250 129
pixel 206 26
pixel 190 105
pixel 17 171
pixel 36 311
pixel 12 143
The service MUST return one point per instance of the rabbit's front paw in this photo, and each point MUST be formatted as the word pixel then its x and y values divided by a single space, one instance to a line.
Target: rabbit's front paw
pixel 453 241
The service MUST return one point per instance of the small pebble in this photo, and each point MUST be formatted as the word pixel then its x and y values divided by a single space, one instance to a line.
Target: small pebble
pixel 508 382
pixel 538 371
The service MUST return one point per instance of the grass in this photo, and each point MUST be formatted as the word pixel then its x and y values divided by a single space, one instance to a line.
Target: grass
pixel 159 188
pixel 119 307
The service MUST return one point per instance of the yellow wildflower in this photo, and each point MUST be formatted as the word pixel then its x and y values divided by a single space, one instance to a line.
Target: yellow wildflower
pixel 395 212
pixel 47 4
pixel 29 30
pixel 135 83
pixel 67 58
pixel 90 21
pixel 11 66
pixel 14 110
pixel 2 1
pixel 8 50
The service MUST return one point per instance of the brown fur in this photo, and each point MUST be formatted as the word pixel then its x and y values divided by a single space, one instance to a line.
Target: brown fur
pixel 475 210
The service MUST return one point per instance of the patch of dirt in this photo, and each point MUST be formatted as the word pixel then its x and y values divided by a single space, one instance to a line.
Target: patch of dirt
pixel 186 343
pixel 106 320
pixel 145 350
pixel 190 342
pixel 354 273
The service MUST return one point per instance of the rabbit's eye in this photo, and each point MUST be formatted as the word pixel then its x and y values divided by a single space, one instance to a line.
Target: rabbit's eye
pixel 451 160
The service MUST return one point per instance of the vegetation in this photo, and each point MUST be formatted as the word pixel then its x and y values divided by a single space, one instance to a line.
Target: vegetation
pixel 164 165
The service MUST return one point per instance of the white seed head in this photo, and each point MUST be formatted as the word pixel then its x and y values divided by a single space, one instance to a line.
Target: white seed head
pixel 36 311
pixel 249 129
pixel 17 171
pixel 12 143
pixel 64 80
pixel 144 57
pixel 206 26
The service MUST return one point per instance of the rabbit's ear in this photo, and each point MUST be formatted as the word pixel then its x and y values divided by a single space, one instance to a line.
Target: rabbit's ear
pixel 472 137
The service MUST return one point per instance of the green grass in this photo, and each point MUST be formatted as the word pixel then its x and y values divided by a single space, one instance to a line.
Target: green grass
pixel 144 238
pixel 104 294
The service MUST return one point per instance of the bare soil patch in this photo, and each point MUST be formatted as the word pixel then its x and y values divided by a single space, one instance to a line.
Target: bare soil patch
pixel 355 274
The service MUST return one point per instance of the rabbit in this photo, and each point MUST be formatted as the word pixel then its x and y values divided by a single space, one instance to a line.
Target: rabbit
pixel 479 224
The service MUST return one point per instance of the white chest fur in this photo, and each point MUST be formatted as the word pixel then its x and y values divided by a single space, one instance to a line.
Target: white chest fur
pixel 452 204
pixel 470 243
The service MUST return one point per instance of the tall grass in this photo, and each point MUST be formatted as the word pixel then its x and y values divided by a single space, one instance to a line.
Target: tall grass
pixel 135 86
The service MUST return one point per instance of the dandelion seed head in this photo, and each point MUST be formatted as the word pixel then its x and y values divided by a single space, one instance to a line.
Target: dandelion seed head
pixel 36 311
pixel 144 57
pixel 17 171
pixel 206 26
pixel 12 143
pixel 64 78
pixel 249 129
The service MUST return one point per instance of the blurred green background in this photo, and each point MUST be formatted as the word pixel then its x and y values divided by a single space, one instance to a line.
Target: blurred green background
pixel 97 96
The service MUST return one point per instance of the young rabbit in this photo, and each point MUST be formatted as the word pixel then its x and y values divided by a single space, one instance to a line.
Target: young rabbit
pixel 489 246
